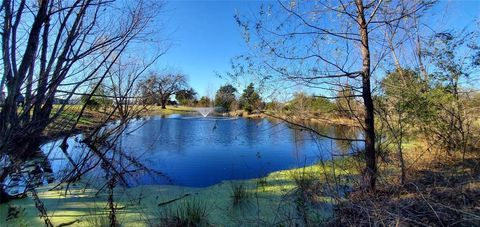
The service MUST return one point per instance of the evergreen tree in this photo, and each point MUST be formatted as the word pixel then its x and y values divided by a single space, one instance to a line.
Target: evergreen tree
pixel 250 99
pixel 225 96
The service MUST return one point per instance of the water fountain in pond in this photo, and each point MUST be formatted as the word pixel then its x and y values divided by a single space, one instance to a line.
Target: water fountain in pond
pixel 204 111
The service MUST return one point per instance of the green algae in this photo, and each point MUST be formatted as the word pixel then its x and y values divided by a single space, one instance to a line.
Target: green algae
pixel 273 201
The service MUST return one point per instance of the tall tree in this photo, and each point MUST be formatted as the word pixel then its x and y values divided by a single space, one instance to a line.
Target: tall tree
pixel 298 42
pixel 225 97
pixel 345 102
pixel 99 99
pixel 204 101
pixel 455 57
pixel 186 96
pixel 250 99
pixel 403 103
pixel 158 88
pixel 53 49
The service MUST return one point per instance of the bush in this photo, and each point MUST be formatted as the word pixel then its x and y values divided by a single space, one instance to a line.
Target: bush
pixel 310 103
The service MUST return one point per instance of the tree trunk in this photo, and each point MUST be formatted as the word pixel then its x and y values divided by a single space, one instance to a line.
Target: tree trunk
pixel 370 154
pixel 400 150
pixel 164 104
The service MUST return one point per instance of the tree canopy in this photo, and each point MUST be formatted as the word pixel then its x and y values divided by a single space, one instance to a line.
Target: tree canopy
pixel 250 99
pixel 225 97
pixel 186 96
pixel 158 88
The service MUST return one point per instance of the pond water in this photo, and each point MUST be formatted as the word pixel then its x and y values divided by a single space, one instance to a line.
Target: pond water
pixel 193 151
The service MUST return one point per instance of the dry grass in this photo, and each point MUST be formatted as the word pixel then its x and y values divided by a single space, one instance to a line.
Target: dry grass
pixel 441 190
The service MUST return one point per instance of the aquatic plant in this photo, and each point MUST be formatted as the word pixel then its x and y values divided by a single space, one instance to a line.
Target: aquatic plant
pixel 188 212
pixel 262 182
pixel 239 193
pixel 97 218
pixel 304 181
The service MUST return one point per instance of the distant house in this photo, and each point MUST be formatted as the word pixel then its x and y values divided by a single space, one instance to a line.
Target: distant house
pixel 60 101
pixel 172 102
pixel 20 99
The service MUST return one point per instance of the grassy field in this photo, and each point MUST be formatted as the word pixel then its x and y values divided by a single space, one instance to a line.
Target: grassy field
pixel 157 110
pixel 93 118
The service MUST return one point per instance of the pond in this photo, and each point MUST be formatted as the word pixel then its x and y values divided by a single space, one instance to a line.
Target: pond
pixel 194 151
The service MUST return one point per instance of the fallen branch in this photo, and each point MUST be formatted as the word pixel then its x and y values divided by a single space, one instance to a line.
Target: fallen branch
pixel 173 200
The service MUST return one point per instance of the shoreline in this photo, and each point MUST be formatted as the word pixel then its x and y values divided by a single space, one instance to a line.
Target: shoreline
pixel 87 123
pixel 332 120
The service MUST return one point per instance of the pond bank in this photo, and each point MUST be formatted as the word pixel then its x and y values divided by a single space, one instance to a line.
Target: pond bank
pixel 92 119
pixel 306 117
pixel 283 197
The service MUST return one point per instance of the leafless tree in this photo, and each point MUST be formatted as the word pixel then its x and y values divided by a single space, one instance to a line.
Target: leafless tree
pixel 51 50
pixel 158 88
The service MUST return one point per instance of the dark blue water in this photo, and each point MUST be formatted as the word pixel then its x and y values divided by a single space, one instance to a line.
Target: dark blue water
pixel 198 152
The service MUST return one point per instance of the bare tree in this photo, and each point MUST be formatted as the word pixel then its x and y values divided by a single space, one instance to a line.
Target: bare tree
pixel 158 88
pixel 329 45
pixel 51 50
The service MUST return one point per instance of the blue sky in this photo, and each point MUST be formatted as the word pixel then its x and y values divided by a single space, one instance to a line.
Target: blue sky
pixel 205 36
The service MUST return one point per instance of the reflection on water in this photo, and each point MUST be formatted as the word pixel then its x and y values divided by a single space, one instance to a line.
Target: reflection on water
pixel 344 146
pixel 34 172
pixel 200 152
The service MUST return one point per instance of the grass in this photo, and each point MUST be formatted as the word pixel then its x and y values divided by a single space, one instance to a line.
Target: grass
pixel 440 190
pixel 262 182
pixel 157 110
pixel 305 181
pixel 15 216
pixel 240 193
pixel 187 212
pixel 96 218
pixel 93 118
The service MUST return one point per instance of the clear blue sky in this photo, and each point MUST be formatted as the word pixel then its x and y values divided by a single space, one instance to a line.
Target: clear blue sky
pixel 205 35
